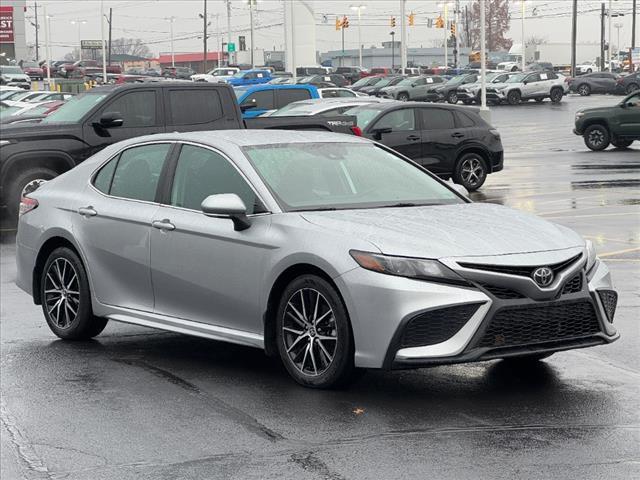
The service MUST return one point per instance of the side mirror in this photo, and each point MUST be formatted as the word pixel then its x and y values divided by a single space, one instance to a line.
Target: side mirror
pixel 525 82
pixel 111 119
pixel 248 104
pixel 378 132
pixel 227 205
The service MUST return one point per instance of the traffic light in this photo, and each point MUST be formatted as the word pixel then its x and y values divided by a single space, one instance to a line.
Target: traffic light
pixel 392 22
pixel 439 22
pixel 412 19
pixel 338 23
pixel 453 28
pixel 345 22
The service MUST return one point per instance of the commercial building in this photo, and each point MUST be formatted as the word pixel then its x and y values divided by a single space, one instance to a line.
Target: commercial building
pixel 13 42
pixel 192 60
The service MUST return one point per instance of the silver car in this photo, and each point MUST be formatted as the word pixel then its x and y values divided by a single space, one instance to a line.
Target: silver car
pixel 331 251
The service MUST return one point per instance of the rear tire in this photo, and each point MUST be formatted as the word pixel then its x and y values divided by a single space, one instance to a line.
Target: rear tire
pixel 403 97
pixel 66 299
pixel 452 98
pixel 471 171
pixel 620 143
pixel 556 95
pixel 584 90
pixel 596 137
pixel 514 97
pixel 313 333
pixel 632 87
pixel 17 185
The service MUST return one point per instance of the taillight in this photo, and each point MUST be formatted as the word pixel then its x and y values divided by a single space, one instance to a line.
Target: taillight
pixel 357 131
pixel 26 205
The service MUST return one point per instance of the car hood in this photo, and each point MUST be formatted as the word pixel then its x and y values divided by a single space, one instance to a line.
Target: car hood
pixel 595 110
pixel 497 86
pixel 16 76
pixel 472 229
pixel 40 130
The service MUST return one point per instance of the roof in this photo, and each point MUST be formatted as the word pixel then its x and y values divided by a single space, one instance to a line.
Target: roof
pixel 125 57
pixel 187 57
pixel 275 86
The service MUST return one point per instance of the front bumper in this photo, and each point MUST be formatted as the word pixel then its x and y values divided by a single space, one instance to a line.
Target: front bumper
pixel 403 323
pixel 466 95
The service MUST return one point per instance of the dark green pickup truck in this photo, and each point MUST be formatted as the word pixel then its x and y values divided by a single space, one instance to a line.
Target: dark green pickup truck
pixel 619 124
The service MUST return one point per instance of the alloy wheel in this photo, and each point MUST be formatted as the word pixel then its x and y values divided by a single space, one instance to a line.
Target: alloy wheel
pixel 596 137
pixel 309 331
pixel 62 292
pixel 583 90
pixel 471 171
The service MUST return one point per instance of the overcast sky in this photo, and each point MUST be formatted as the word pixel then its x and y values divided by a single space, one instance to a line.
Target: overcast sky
pixel 147 19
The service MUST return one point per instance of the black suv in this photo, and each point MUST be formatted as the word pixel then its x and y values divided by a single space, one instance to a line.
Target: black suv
pixel 452 142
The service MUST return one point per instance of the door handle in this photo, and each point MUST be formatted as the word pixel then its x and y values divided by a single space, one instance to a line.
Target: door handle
pixel 413 138
pixel 164 224
pixel 457 135
pixel 87 211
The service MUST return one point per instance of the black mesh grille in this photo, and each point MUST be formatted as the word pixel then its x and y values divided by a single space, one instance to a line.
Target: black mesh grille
pixel 574 285
pixel 534 324
pixel 524 271
pixel 609 300
pixel 501 292
pixel 436 326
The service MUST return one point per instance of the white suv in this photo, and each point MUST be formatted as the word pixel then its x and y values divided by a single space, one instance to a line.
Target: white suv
pixel 530 85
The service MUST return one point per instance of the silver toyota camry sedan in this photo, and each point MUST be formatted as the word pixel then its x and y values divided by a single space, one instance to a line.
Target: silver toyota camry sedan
pixel 331 251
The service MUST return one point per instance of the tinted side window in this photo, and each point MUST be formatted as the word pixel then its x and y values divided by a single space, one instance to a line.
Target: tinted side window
pixel 201 172
pixel 289 95
pixel 533 78
pixel 263 99
pixel 102 181
pixel 138 172
pixel 137 109
pixel 436 119
pixel 191 106
pixel 398 121
pixel 463 120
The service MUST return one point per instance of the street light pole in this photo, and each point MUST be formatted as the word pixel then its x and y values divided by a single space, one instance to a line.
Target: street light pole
pixel 359 9
pixel 79 22
pixel 609 49
pixel 403 34
pixel 173 57
pixel 251 2
pixel 446 36
pixel 393 50
pixel 524 46
pixel 618 27
pixel 47 52
pixel 104 50
pixel 483 54
pixel 228 31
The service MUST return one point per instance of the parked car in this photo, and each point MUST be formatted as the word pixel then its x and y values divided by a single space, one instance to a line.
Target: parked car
pixel 587 67
pixel 29 112
pixel 38 97
pixel 509 66
pixel 530 85
pixel 618 124
pixel 336 92
pixel 182 73
pixel 260 99
pixel 381 71
pixel 327 251
pixel 216 75
pixel 589 83
pixel 448 91
pixel 366 82
pixel 409 71
pixel 539 67
pixel 311 70
pixel 82 67
pixel 7 92
pixel 324 106
pixel 105 115
pixel 55 66
pixel 249 77
pixel 411 88
pixel 452 142
pixel 389 81
pixel 628 84
pixel 470 93
pixel 326 80
pixel 33 70
pixel 13 76
pixel 352 74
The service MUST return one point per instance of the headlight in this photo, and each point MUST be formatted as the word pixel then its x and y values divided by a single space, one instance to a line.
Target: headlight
pixel 579 115
pixel 591 258
pixel 418 268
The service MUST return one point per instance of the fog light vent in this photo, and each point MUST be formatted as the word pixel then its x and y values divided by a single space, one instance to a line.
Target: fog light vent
pixel 609 299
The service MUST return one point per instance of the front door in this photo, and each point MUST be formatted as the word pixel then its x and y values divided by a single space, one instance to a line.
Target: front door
pixel 201 268
pixel 113 223
pixel 404 135
pixel 629 117
pixel 439 139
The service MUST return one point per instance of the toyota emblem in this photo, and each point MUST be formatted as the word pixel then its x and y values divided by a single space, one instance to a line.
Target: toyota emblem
pixel 543 276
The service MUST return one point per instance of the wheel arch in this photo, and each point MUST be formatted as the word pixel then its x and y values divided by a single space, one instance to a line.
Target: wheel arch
pixel 596 121
pixel 55 160
pixel 284 278
pixel 473 149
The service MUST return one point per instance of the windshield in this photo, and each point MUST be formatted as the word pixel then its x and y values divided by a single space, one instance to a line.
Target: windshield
pixel 18 96
pixel 240 74
pixel 364 114
pixel 384 82
pixel 406 81
pixel 337 176
pixel 11 70
pixel 457 79
pixel 517 78
pixel 366 81
pixel 75 108
pixel 6 94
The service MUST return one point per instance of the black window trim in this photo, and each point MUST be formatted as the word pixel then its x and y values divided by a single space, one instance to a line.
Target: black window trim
pixel 383 113
pixel 101 108
pixel 172 165
pixel 116 158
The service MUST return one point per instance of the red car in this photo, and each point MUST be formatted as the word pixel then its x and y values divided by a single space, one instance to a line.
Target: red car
pixel 33 70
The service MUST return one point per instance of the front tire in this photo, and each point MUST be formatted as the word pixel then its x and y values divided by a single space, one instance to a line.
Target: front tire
pixel 596 137
pixel 403 97
pixel 66 299
pixel 313 334
pixel 632 87
pixel 584 90
pixel 514 97
pixel 452 98
pixel 556 95
pixel 471 171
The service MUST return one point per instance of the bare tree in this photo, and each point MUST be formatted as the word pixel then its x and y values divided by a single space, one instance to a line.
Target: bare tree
pixel 130 46
pixel 497 21
pixel 535 40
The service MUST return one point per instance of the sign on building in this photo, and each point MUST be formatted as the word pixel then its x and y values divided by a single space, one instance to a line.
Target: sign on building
pixel 6 24
pixel 91 44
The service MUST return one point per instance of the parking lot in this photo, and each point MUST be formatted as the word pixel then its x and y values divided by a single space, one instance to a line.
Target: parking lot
pixel 137 403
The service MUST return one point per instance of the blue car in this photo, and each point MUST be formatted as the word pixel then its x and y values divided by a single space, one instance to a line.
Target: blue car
pixel 254 101
pixel 250 77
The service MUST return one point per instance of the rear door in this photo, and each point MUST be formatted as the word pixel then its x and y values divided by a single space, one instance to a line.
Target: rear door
pixel 141 112
pixel 419 87
pixel 285 96
pixel 440 139
pixel 263 101
pixel 202 108
pixel 629 117
pixel 531 85
pixel 404 136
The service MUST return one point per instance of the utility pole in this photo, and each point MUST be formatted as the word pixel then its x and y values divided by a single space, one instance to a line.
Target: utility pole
pixel 342 56
pixel 253 63
pixel 204 38
pixel 110 18
pixel 228 31
pixel 446 37
pixel 524 42
pixel 35 7
pixel 466 25
pixel 218 53
pixel 633 25
pixel 104 53
pixel 574 27
pixel 609 49
pixel 403 34
pixel 602 36
pixel 456 44
pixel 47 52
pixel 484 111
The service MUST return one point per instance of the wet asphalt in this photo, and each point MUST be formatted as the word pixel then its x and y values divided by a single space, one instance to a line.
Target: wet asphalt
pixel 142 404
